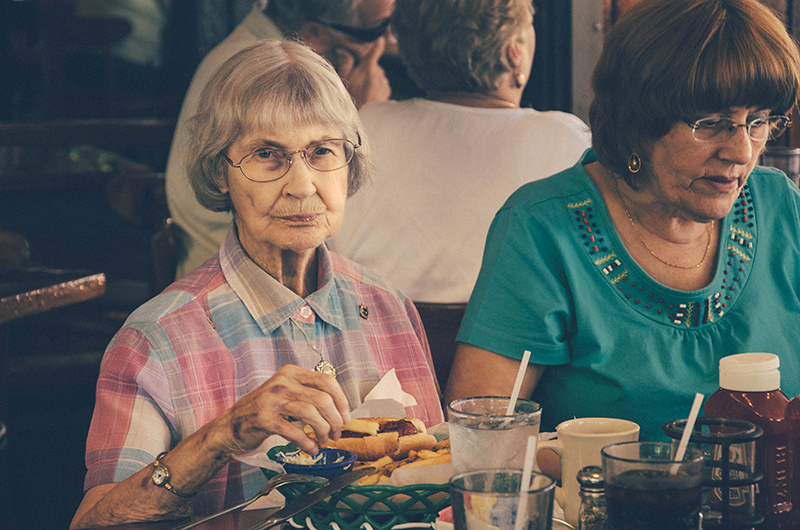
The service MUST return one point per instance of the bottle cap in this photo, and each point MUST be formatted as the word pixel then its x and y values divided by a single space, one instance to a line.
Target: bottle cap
pixel 750 372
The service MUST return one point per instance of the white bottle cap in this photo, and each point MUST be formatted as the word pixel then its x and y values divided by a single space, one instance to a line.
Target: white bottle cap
pixel 750 372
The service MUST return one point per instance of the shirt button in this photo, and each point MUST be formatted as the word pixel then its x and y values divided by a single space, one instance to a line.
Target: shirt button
pixel 306 311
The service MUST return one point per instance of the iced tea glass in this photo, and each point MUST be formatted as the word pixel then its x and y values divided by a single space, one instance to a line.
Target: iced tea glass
pixel 647 488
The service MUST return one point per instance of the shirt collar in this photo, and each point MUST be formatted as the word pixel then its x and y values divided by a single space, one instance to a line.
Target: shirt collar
pixel 267 300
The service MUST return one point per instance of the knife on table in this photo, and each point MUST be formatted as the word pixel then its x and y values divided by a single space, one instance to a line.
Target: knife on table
pixel 312 497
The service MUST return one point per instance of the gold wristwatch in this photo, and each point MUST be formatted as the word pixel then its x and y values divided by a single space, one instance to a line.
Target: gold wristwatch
pixel 161 477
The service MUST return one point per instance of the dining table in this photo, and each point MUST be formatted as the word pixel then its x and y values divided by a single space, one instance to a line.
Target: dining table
pixel 28 291
pixel 238 520
pixel 32 290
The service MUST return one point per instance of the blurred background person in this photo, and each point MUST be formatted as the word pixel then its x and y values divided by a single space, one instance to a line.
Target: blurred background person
pixel 138 56
pixel 629 275
pixel 276 331
pixel 445 163
pixel 351 34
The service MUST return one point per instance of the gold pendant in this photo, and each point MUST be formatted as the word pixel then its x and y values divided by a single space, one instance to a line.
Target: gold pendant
pixel 324 367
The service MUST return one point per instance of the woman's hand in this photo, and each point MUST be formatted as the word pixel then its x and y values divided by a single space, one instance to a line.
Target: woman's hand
pixel 292 394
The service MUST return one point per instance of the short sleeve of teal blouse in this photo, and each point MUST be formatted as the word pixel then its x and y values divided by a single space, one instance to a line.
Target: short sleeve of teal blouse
pixel 557 280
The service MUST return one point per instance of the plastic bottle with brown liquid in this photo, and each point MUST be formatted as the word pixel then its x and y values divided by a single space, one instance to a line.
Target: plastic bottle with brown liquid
pixel 750 390
pixel 793 427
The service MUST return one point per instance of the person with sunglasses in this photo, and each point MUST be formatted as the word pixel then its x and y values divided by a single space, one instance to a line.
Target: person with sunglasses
pixel 666 247
pixel 274 334
pixel 353 35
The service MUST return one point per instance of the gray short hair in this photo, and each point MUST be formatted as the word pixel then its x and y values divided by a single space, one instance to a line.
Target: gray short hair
pixel 270 86
pixel 452 45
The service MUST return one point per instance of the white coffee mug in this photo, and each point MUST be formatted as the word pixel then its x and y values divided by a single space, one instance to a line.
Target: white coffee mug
pixel 579 444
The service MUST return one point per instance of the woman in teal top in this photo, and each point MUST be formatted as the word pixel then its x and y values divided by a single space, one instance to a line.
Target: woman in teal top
pixel 664 249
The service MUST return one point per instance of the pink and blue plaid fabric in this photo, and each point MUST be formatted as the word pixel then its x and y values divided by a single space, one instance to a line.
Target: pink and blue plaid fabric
pixel 190 353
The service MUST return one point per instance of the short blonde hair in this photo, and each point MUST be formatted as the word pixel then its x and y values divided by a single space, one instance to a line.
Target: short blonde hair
pixel 270 86
pixel 458 45
pixel 667 61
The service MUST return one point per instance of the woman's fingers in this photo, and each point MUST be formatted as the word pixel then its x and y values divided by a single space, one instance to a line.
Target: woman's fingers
pixel 336 408
pixel 292 393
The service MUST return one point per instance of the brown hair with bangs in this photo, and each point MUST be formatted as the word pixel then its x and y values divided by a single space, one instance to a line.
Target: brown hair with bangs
pixel 667 61
pixel 272 86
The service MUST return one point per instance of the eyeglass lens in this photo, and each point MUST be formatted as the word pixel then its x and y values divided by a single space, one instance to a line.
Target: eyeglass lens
pixel 719 129
pixel 266 163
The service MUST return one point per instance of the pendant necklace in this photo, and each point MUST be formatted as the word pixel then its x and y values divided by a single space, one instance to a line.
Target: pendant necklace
pixel 323 366
pixel 665 262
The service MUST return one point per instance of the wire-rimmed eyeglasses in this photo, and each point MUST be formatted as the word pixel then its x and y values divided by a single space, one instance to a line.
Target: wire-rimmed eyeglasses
pixel 719 129
pixel 267 164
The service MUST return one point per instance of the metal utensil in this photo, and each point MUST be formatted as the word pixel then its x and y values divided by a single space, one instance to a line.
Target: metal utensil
pixel 313 497
pixel 274 482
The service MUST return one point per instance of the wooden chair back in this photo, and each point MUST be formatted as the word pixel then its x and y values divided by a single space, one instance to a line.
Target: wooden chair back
pixel 441 323
pixel 164 255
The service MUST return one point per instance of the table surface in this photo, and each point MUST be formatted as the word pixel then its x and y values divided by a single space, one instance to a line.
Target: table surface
pixel 30 291
pixel 238 520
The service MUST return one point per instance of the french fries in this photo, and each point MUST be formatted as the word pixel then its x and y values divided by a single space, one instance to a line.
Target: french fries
pixel 384 467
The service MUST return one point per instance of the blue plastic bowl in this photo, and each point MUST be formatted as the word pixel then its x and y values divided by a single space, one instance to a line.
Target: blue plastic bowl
pixel 327 466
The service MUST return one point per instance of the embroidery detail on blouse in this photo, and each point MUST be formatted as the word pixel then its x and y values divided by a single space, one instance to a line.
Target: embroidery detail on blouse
pixel 622 276
pixel 580 204
pixel 738 252
pixel 606 258
pixel 682 312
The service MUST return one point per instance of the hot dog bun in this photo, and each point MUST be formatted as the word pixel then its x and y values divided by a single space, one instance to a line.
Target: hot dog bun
pixel 373 438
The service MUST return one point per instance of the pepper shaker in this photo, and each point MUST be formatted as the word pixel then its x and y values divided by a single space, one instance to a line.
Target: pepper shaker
pixel 592 514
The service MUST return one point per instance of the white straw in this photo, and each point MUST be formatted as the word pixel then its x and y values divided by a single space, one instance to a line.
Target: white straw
pixel 687 430
pixel 525 484
pixel 518 383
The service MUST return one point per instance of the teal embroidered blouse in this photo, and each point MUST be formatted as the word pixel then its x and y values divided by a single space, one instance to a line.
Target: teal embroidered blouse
pixel 557 280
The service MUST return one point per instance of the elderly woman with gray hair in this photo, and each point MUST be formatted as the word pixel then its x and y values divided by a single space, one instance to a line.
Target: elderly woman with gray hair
pixel 273 334
pixel 445 163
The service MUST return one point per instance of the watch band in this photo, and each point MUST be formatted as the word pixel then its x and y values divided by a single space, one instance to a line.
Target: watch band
pixel 161 477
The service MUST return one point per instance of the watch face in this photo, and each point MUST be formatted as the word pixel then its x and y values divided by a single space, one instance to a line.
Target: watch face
pixel 160 475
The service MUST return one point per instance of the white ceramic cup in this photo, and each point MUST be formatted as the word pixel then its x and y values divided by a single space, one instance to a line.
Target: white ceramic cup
pixel 579 444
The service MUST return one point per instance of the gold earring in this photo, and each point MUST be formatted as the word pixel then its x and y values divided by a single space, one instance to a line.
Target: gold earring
pixel 634 163
pixel 520 80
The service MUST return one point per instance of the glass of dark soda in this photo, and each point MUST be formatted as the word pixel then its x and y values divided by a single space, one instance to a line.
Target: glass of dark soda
pixel 646 487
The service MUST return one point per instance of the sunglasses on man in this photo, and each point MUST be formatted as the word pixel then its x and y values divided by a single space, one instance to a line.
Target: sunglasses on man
pixel 361 34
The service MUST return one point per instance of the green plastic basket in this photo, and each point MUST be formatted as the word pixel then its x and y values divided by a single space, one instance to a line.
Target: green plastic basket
pixel 380 507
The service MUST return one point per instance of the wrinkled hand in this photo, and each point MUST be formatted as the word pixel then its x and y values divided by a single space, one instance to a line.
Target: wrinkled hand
pixel 365 79
pixel 293 393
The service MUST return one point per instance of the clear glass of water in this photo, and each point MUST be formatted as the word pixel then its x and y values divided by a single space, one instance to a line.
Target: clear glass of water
pixel 483 436
pixel 491 499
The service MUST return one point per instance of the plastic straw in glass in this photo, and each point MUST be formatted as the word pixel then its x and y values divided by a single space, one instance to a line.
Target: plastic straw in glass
pixel 518 383
pixel 687 431
pixel 525 483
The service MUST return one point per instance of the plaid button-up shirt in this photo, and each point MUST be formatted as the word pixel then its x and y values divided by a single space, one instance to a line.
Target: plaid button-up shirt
pixel 190 353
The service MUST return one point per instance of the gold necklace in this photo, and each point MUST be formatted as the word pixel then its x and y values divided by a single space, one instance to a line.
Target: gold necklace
pixel 323 366
pixel 453 97
pixel 665 262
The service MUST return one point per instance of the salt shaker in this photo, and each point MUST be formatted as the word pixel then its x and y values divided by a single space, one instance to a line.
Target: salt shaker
pixel 592 514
